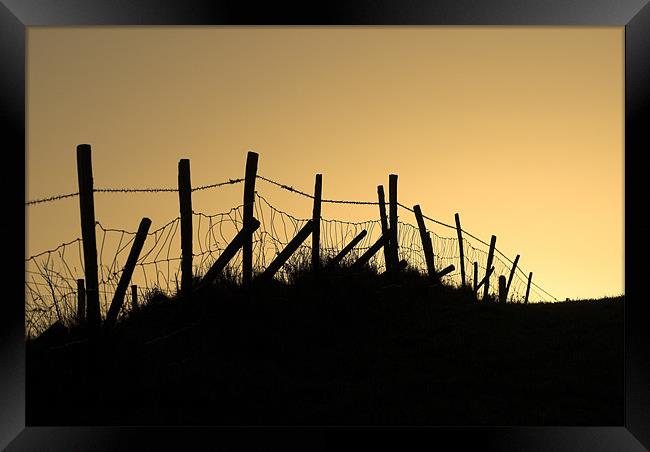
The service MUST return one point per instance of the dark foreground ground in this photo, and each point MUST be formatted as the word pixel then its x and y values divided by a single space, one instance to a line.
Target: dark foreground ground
pixel 342 350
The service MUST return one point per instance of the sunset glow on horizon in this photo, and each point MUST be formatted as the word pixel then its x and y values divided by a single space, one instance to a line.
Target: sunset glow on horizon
pixel 520 130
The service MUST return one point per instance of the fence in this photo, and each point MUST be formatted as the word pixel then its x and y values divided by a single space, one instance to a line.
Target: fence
pixel 53 276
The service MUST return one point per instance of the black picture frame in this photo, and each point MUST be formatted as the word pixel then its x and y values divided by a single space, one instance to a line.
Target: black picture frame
pixel 17 15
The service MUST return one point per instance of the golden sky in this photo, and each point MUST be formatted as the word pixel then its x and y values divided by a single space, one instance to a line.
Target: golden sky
pixel 518 129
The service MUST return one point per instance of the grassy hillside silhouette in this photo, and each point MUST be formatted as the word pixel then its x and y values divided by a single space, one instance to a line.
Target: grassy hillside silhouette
pixel 336 348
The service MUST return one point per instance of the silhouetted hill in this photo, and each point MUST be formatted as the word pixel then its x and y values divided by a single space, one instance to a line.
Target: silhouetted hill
pixel 341 348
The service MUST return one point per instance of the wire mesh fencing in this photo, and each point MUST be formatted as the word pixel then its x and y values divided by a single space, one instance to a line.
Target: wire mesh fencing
pixel 51 276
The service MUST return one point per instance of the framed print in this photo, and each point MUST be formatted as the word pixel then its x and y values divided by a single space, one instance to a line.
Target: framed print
pixel 366 218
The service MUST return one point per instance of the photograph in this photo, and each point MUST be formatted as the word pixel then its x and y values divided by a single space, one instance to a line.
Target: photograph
pixel 413 223
pixel 324 225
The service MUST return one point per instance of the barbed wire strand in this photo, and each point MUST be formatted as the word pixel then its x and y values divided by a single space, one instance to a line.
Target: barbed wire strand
pixel 277 229
pixel 132 190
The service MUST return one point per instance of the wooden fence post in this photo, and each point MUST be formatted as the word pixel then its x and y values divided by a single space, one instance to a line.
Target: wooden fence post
pixel 459 231
pixel 427 246
pixel 87 210
pixel 488 273
pixel 127 272
pixel 185 201
pixel 444 271
pixel 339 257
pixel 503 294
pixel 493 242
pixel 401 266
pixel 134 297
pixel 512 274
pixel 384 225
pixel 228 253
pixel 365 257
pixel 392 199
pixel 249 201
pixel 81 301
pixel 475 276
pixel 291 248
pixel 315 235
pixel 530 278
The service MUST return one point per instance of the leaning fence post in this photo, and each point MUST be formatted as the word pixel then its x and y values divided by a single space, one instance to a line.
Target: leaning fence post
pixel 185 200
pixel 365 257
pixel 393 236
pixel 384 225
pixel 512 274
pixel 291 247
pixel 87 210
pixel 502 289
pixel 249 201
pixel 530 278
pixel 486 278
pixel 127 272
pixel 315 235
pixel 134 297
pixel 228 253
pixel 459 231
pixel 81 301
pixel 475 276
pixel 339 257
pixel 493 242
pixel 446 270
pixel 427 246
